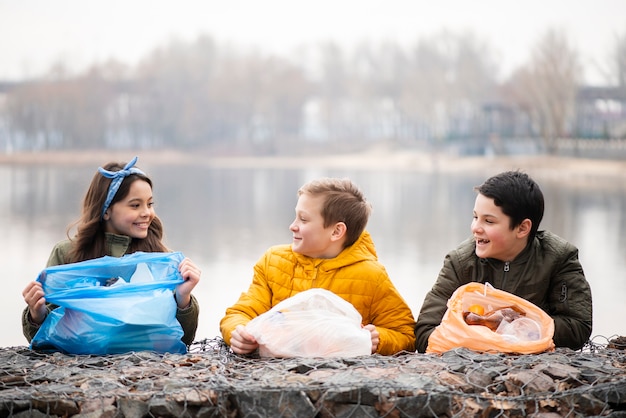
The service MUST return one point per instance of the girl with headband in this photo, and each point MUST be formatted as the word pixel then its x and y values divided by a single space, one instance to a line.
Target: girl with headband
pixel 117 218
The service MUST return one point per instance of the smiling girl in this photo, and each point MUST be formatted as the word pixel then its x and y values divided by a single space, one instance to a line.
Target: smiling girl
pixel 117 218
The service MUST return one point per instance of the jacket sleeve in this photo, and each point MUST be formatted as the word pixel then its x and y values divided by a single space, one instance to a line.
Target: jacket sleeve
pixel 57 257
pixel 394 321
pixel 188 319
pixel 436 302
pixel 254 302
pixel 570 303
pixel 29 329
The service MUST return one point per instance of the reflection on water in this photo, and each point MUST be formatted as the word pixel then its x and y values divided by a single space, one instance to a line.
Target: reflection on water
pixel 224 219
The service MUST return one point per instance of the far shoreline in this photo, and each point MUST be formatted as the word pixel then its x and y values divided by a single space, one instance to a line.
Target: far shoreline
pixel 374 159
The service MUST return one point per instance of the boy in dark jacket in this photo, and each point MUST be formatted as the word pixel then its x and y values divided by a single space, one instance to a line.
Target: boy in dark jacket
pixel 509 252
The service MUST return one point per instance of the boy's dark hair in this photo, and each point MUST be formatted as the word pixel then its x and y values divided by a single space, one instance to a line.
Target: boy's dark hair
pixel 343 202
pixel 518 195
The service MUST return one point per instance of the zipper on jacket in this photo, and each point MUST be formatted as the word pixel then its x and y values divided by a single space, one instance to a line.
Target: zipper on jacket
pixel 563 296
pixel 505 270
pixel 317 269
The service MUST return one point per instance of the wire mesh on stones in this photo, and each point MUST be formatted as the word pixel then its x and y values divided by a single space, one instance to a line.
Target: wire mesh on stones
pixel 210 381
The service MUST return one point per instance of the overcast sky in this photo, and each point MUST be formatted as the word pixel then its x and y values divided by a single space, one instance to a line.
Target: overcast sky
pixel 36 33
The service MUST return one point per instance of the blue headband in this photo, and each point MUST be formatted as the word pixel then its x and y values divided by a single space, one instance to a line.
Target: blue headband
pixel 117 178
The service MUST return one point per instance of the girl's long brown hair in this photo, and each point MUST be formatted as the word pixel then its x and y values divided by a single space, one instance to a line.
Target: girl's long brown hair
pixel 89 241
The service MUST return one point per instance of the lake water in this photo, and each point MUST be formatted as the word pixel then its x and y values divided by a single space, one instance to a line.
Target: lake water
pixel 225 218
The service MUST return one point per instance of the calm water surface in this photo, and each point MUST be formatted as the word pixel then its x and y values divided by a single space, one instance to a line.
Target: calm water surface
pixel 224 219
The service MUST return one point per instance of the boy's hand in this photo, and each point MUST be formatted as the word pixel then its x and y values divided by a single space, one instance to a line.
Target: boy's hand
pixel 33 296
pixel 242 342
pixel 375 336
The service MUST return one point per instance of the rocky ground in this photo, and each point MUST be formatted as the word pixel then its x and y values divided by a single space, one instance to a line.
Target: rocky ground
pixel 210 381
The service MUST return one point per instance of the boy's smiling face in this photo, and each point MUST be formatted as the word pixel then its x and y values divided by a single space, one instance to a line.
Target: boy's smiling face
pixel 493 234
pixel 310 238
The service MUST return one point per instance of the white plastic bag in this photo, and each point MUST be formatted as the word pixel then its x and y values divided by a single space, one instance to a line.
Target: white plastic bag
pixel 313 323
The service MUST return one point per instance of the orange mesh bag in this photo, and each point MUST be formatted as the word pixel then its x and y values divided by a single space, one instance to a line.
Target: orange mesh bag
pixel 483 318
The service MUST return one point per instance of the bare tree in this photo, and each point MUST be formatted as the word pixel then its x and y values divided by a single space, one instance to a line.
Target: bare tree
pixel 201 94
pixel 332 91
pixel 378 74
pixel 546 88
pixel 61 111
pixel 449 78
pixel 174 94
pixel 620 60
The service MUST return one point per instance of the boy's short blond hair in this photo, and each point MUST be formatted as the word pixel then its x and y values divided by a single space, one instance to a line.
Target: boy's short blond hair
pixel 343 202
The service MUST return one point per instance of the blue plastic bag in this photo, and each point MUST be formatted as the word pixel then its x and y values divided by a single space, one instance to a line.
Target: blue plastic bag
pixel 112 305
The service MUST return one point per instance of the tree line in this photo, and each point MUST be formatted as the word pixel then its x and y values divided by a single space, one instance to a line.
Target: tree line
pixel 204 95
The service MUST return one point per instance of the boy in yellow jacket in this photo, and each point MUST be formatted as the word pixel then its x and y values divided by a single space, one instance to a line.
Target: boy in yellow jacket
pixel 330 250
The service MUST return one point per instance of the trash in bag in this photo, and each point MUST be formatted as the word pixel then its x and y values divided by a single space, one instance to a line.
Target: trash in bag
pixel 112 305
pixel 313 323
pixel 483 318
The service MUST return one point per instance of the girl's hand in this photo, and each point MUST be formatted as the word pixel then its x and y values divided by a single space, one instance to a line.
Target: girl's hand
pixel 242 342
pixel 191 275
pixel 33 296
pixel 375 336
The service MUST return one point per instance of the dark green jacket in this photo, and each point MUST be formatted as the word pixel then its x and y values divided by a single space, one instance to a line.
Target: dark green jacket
pixel 117 245
pixel 547 273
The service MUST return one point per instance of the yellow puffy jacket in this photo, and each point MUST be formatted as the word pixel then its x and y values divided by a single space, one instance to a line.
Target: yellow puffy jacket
pixel 355 275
